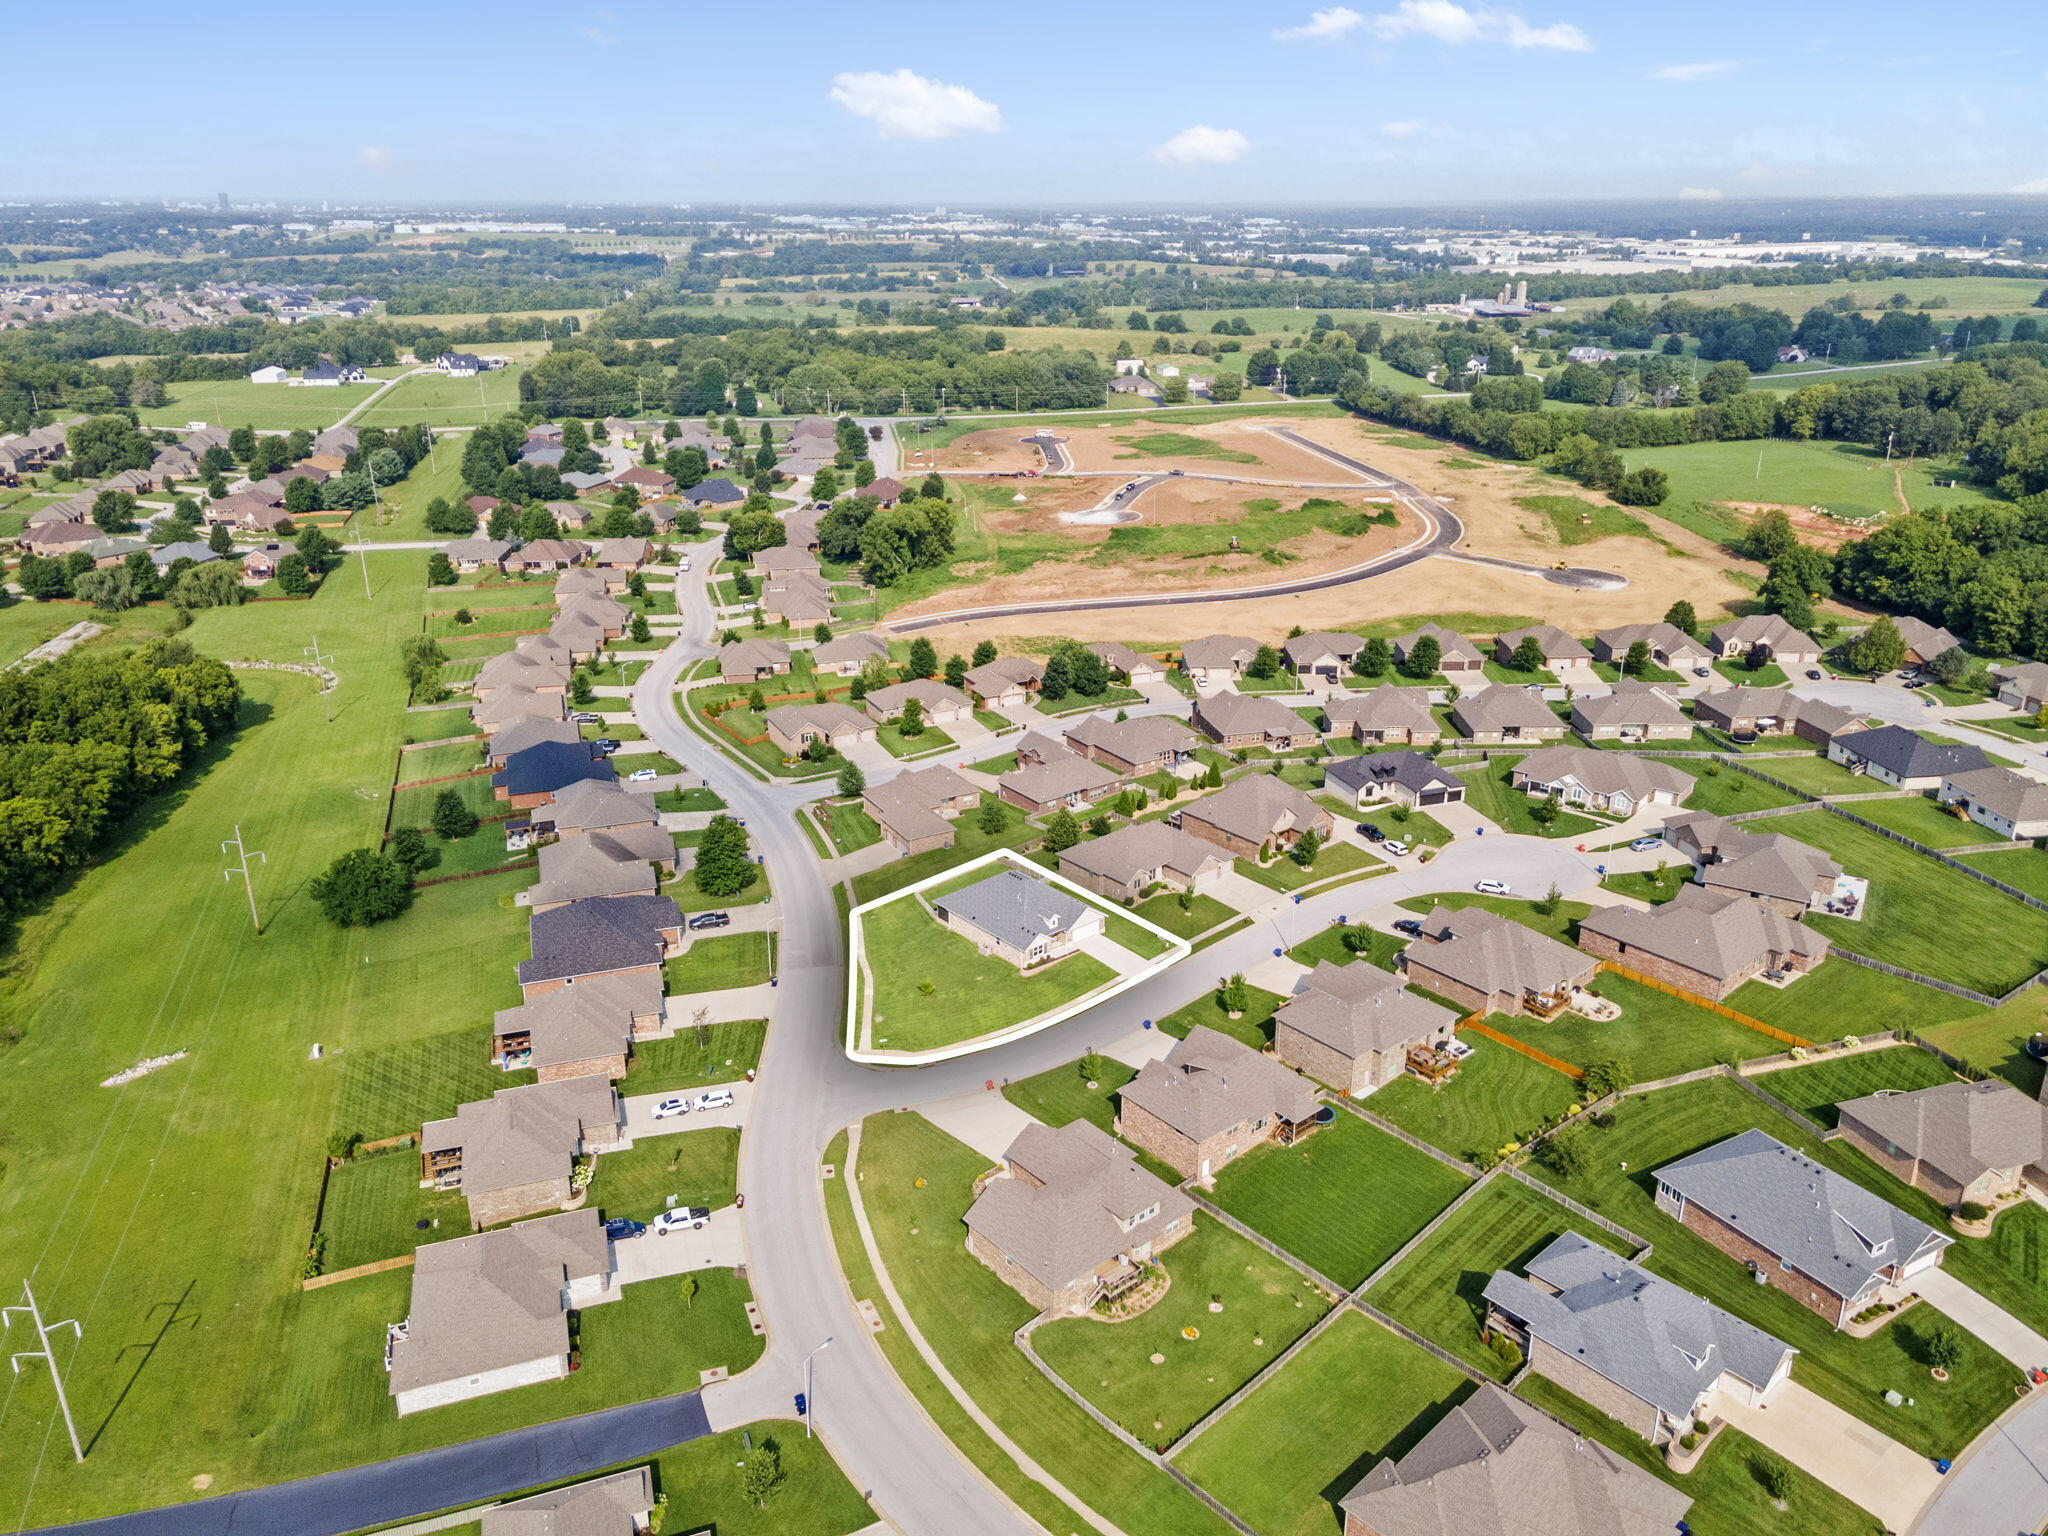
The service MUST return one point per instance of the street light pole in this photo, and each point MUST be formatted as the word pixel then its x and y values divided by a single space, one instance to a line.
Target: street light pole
pixel 810 1387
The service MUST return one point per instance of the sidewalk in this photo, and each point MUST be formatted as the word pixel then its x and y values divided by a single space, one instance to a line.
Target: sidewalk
pixel 1867 1468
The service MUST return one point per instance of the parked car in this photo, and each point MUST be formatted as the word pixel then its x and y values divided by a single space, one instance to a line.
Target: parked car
pixel 1918 682
pixel 1646 845
pixel 642 775
pixel 1492 888
pixel 619 1228
pixel 683 564
pixel 684 1218
pixel 1176 471
pixel 710 920
pixel 1395 846
pixel 1813 673
pixel 605 746
pixel 585 717
pixel 1702 671
pixel 1909 672
pixel 670 1107
pixel 716 1098
pixel 1372 833
pixel 1408 925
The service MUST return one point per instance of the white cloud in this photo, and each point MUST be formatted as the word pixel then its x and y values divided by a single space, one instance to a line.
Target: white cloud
pixel 1456 25
pixel 2035 188
pixel 375 157
pixel 1405 130
pixel 1699 194
pixel 1201 145
pixel 905 105
pixel 1323 26
pixel 600 37
pixel 1686 74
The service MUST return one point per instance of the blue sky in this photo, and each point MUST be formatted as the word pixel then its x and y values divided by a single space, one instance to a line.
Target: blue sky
pixel 907 100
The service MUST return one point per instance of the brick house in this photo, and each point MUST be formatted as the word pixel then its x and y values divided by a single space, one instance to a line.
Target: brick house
pixel 1321 655
pixel 1214 660
pixel 535 775
pixel 1485 963
pixel 793 727
pixel 1240 721
pixel 1822 1239
pixel 1502 713
pixel 747 661
pixel 582 809
pixel 1388 713
pixel 916 810
pixel 1669 646
pixel 1925 641
pixel 1704 942
pixel 1211 1100
pixel 847 654
pixel 513 702
pixel 1976 1142
pixel 2024 687
pixel 1019 918
pixel 1255 817
pixel 941 705
pixel 1133 748
pixel 1071 1219
pixel 623 934
pixel 1357 1028
pixel 616 1505
pixel 1007 682
pixel 1563 657
pixel 1768 633
pixel 1790 876
pixel 1634 711
pixel 799 598
pixel 580 1031
pixel 1133 859
pixel 511 1154
pixel 1058 779
pixel 1746 712
pixel 1460 657
pixel 1618 783
pixel 1137 669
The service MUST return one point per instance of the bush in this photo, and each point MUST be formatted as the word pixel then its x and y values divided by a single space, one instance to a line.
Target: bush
pixel 362 887
pixel 1970 1210
pixel 1506 1350
pixel 1775 1475
pixel 341 1146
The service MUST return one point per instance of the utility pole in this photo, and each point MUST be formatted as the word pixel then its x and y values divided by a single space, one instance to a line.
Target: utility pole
pixel 42 1351
pixel 243 855
pixel 320 660
pixel 363 556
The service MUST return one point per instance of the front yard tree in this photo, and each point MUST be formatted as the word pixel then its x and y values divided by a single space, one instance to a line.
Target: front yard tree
pixel 452 816
pixel 1058 678
pixel 638 631
pixel 293 579
pixel 1944 1349
pixel 581 694
pixel 1880 648
pixel 984 653
pixel 1062 831
pixel 723 865
pixel 362 887
pixel 761 1473
pixel 1776 1477
pixel 1374 657
pixel 220 541
pixel 852 782
pixel 1266 663
pixel 910 723
pixel 1088 671
pixel 1637 662
pixel 1680 616
pixel 924 658
pixel 934 486
pixel 440 570
pixel 825 484
pixel 1306 847
pixel 1951 666
pixel 821 633
pixel 1424 656
pixel 1234 996
pixel 1528 655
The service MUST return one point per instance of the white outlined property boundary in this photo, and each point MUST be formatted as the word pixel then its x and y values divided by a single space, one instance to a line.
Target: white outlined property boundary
pixel 1177 949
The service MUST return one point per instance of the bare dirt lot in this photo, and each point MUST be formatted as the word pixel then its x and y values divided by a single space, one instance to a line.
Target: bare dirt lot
pixel 996 450
pixel 1120 449
pixel 1814 527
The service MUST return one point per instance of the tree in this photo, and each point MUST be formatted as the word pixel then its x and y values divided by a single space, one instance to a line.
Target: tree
pixel 583 695
pixel 761 1473
pixel 1613 1075
pixel 362 887
pixel 1062 831
pixel 1546 811
pixel 220 541
pixel 1098 826
pixel 924 658
pixel 1088 672
pixel 1306 847
pixel 724 868
pixel 1681 617
pixel 933 487
pixel 408 846
pixel 1643 487
pixel 910 723
pixel 984 653
pixel 113 511
pixel 1774 1474
pixel 1880 648
pixel 1234 997
pixel 1374 658
pixel 956 671
pixel 992 819
pixel 1944 1349
pixel 1951 666
pixel 293 579
pixel 1424 657
pixel 318 549
pixel 440 570
pixel 42 578
pixel 452 818
pixel 1564 1152
pixel 638 631
pixel 110 591
pixel 825 484
pixel 852 782
pixel 1265 663
pixel 1528 655
pixel 1637 662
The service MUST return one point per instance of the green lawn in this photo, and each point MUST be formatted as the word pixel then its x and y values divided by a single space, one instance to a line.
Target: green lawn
pixel 1283 874
pixel 1644 885
pixel 2024 869
pixel 1181 445
pixel 690 897
pixel 1076 703
pixel 1816 775
pixel 238 402
pixel 439 762
pixel 374 1207
pixel 689 800
pixel 701 1481
pixel 1201 914
pixel 1923 915
pixel 413 806
pixel 1843 477
pixel 1255 1028
pixel 441 401
pixel 1843 998
pixel 851 828
pixel 930 739
pixel 1721 790
pixel 719 961
pixel 1343 1200
pixel 1671 1124
pixel 1658 1035
pixel 394 1088
pixel 1265 1307
pixel 968 1315
pixel 1436 1289
pixel 1561 925
pixel 969 842
pixel 1994 1040
pixel 1282 1458
pixel 1381 947
pixel 679 1062
pixel 1061 1095
pixel 1499 1096
pixel 696 1167
pixel 929 987
pixel 1918 817
pixel 1490 794
pixel 1816 1088
pixel 1743 675
pixel 1728 1499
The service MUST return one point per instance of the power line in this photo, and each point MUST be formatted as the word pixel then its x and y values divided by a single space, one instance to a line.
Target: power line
pixel 43 1351
pixel 242 857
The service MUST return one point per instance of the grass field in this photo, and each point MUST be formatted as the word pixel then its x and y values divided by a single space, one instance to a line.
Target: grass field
pixel 1723 791
pixel 375 1205
pixel 1561 925
pixel 1499 1096
pixel 695 1167
pixel 1816 1088
pixel 1843 477
pixel 720 961
pixel 440 401
pixel 1491 794
pixel 1850 998
pixel 1342 1200
pixel 1202 913
pixel 1265 1307
pixel 1657 1035
pixel 1918 817
pixel 238 403
pixel 1255 1028
pixel 2024 869
pixel 1283 874
pixel 1282 1458
pixel 1816 775
pixel 1060 1095
pixel 729 1051
pixel 1923 915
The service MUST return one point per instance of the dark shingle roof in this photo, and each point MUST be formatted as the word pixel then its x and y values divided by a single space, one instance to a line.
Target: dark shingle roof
pixel 589 938
pixel 1905 755
pixel 547 766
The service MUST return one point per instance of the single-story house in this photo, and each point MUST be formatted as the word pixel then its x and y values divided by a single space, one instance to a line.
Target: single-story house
pixel 491 1312
pixel 475 554
pixel 1138 669
pixel 581 1031
pixel 1058 779
pixel 1006 682
pixel 1563 657
pixel 1645 1351
pixel 534 776
pixel 1132 860
pixel 511 1154
pixel 1768 633
pixel 1321 654
pixel 792 727
pixel 1503 713
pixel 1634 711
pixel 1617 783
pixel 620 559
pixel 799 598
pixel 1404 778
pixel 645 479
pixel 1500 1464
pixel 1961 1142
pixel 1745 711
pixel 529 731
pixel 1822 1239
pixel 711 494
pixel 619 1504
pixel 1486 963
pixel 1893 755
pixel 522 669
pixel 1254 817
pixel 1249 720
pixel 1789 875
pixel 1388 713
pixel 1669 645
pixel 1148 744
pixel 629 862
pixel 1215 660
pixel 1024 920
pixel 941 705
pixel 915 810
pixel 1210 1100
pixel 1357 1028
pixel 166 556
pixel 1459 656
pixel 778 559
pixel 1704 942
pixel 581 581
pixel 1072 1219
pixel 546 555
pixel 744 661
pixel 886 489
pixel 248 510
pixel 599 938
pixel 516 702
pixel 2007 802
pixel 1924 641
pixel 845 655
pixel 582 809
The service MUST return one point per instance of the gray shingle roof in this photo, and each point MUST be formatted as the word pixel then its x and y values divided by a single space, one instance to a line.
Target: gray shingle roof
pixel 1760 863
pixel 1714 932
pixel 594 807
pixel 1135 741
pixel 1499 708
pixel 1557 645
pixel 1963 1130
pixel 547 766
pixel 1317 645
pixel 2001 791
pixel 1013 907
pixel 1906 755
pixel 589 938
pixel 604 1506
pixel 856 648
pixel 1217 651
pixel 1247 714
pixel 1388 707
pixel 907 805
pixel 1494 953
pixel 1639 704
pixel 1411 770
pixel 522 1135
pixel 617 863
pixel 1452 645
pixel 1605 773
pixel 1141 850
pixel 1259 807
pixel 1765 629
pixel 593 1018
pixel 1057 777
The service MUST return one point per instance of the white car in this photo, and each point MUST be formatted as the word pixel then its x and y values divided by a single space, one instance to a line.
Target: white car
pixel 1646 845
pixel 669 1108
pixel 683 564
pixel 1395 846
pixel 684 1218
pixel 1492 888
pixel 642 775
pixel 717 1098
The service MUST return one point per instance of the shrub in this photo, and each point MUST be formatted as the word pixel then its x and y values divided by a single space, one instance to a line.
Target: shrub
pixel 1775 1475
pixel 1970 1210
pixel 341 1146
pixel 1506 1350
pixel 1690 1440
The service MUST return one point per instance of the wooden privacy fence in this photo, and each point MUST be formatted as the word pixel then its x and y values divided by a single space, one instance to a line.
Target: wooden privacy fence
pixel 1707 1003
pixel 1576 1074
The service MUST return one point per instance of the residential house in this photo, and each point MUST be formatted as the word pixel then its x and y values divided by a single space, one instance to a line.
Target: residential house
pixel 461 365
pixel 1035 747
pixel 1634 711
pixel 586 1030
pixel 522 669
pixel 545 555
pixel 781 559
pixel 1136 668
pixel 1641 1349
pixel 916 809
pixel 1822 1239
pixel 528 732
pixel 1669 645
pixel 1591 355
pixel 477 554
pixel 1388 713
pixel 1215 660
pixel 1024 920
pixel 1617 783
pixel 2009 803
pixel 56 538
pixel 711 495
pixel 1211 1100
pixel 620 560
pixel 1058 779
pixel 1072 1219
pixel 1563 657
pixel 491 1311
pixel 534 776
pixel 620 1504
pixel 1134 384
pixel 1460 657
pixel 1893 755
pixel 1485 963
pixel 802 599
pixel 1132 860
pixel 185 549
pixel 581 581
pixel 1767 633
pixel 338 441
pixel 1502 713
pixel 1975 1143
pixel 845 655
pixel 1496 1464
pixel 1402 778
pixel 1749 712
pixel 942 705
pixel 1357 1028
pixel 260 564
pixel 511 1154
pixel 886 489
pixel 800 528
pixel 1704 942
pixel 1007 682
pixel 1788 875
pixel 482 506
pixel 516 701
pixel 1255 817
pixel 1321 655
pixel 1924 641
pixel 628 862
pixel 582 481
pixel 1240 721
pixel 793 727
pixel 746 661
pixel 646 479
pixel 583 809
pixel 599 938
pixel 569 516
pixel 246 510
pixel 1148 744
pixel 2024 687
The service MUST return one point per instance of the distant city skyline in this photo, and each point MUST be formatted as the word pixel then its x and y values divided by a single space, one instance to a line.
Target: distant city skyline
pixel 1388 101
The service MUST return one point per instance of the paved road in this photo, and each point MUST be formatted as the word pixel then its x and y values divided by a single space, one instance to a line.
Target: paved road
pixel 389 1491
pixel 2000 1487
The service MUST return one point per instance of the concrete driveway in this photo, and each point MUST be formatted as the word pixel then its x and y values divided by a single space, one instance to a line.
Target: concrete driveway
pixel 721 1245
pixel 1993 1324
pixel 984 1119
pixel 640 1119
pixel 1864 1466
